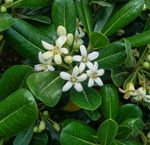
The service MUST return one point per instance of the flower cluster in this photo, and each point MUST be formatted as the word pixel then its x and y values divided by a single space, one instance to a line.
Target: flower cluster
pixel 137 95
pixel 61 54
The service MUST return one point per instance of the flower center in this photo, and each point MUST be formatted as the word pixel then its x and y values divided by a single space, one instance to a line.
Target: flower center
pixel 56 50
pixel 73 79
pixel 84 59
pixel 94 75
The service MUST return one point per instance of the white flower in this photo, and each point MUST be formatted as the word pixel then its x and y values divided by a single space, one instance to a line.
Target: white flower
pixel 141 95
pixel 94 74
pixel 61 31
pixel 73 79
pixel 85 58
pixel 45 65
pixel 55 51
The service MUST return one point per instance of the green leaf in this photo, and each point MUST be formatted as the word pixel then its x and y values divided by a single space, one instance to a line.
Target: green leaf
pixel 21 113
pixel 13 79
pixel 147 25
pixel 125 143
pixel 136 124
pixel 124 16
pixel 37 18
pixel 99 40
pixel 84 14
pixel 107 131
pixel 64 13
pixel 78 133
pixel 123 132
pixel 102 17
pixel 129 111
pixel 88 99
pixel 6 21
pixel 110 101
pixel 101 3
pixel 24 137
pixel 33 3
pixel 112 56
pixel 46 86
pixel 140 39
pixel 119 75
pixel 26 39
pixel 40 139
pixel 93 115
pixel 147 2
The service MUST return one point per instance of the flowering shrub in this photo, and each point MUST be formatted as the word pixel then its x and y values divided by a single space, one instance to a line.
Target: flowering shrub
pixel 85 75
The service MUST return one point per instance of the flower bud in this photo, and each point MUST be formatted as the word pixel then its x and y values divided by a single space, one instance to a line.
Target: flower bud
pixel 61 31
pixel 69 39
pixel 77 45
pixel 56 126
pixel 146 65
pixel 69 59
pixel 35 129
pixel 148 46
pixel 3 9
pixel 45 113
pixel 1 37
pixel 42 125
pixel 144 7
pixel 8 2
pixel 47 55
pixel 148 57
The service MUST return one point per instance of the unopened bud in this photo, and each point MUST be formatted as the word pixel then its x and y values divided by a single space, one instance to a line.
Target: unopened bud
pixel 61 31
pixel 144 7
pixel 69 39
pixel 77 45
pixel 35 129
pixel 45 113
pixel 1 37
pixel 146 65
pixel 148 46
pixel 42 125
pixel 148 57
pixel 8 2
pixel 56 126
pixel 69 59
pixel 3 9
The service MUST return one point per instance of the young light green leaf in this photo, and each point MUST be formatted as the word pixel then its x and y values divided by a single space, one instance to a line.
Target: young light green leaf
pixel 46 86
pixel 84 14
pixel 21 113
pixel 107 131
pixel 88 99
pixel 110 101
pixel 63 13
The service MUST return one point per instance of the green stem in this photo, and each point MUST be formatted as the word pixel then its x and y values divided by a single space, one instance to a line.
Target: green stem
pixel 2 46
pixel 16 2
pixel 65 66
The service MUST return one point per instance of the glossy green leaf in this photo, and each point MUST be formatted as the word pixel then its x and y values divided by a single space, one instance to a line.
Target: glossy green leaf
pixel 147 3
pixel 46 86
pixel 125 143
pixel 110 101
pixel 99 40
pixel 64 13
pixel 13 79
pixel 88 99
pixel 24 138
pixel 124 16
pixel 112 56
pixel 147 25
pixel 140 39
pixel 93 115
pixel 21 113
pixel 136 124
pixel 84 14
pixel 107 131
pixel 102 17
pixel 78 133
pixel 129 111
pixel 101 3
pixel 26 39
pixel 6 21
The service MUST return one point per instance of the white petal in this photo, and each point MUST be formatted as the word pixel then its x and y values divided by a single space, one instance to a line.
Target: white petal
pixel 82 67
pixel 89 72
pixel 100 72
pixel 65 76
pixel 58 59
pixel 64 50
pixel 83 50
pixel 39 67
pixel 51 68
pixel 77 58
pixel 61 41
pixel 67 86
pixel 99 82
pixel 95 66
pixel 47 45
pixel 91 82
pixel 147 96
pixel 61 31
pixel 90 65
pixel 47 55
pixel 40 57
pixel 82 78
pixel 93 55
pixel 75 71
pixel 78 87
